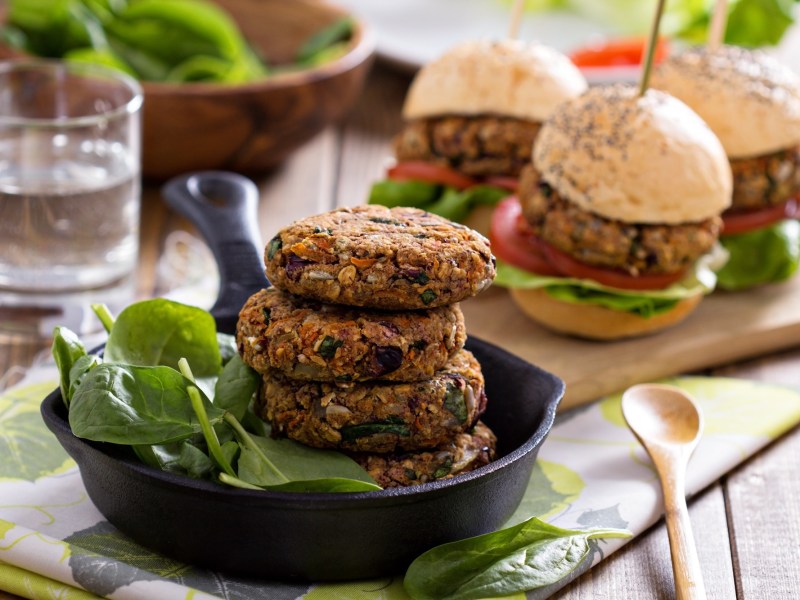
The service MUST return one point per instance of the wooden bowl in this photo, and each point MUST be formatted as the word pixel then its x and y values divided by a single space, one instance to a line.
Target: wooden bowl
pixel 253 127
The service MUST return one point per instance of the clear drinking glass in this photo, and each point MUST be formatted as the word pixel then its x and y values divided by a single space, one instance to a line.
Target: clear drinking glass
pixel 70 137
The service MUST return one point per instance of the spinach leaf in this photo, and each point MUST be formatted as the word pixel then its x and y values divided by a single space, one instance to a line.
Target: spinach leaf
pixel 66 350
pixel 329 346
pixel 454 402
pixel 255 424
pixel 230 450
pixel 126 404
pixel 186 457
pixel 527 556
pixel 227 346
pixel 104 314
pixel 195 462
pixel 206 426
pixel 353 432
pixel 329 484
pixel 160 332
pixel 236 386
pixel 79 370
pixel 269 462
pixel 52 27
pixel 165 457
pixel 335 33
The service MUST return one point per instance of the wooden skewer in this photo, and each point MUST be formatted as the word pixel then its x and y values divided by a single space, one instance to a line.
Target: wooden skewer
pixel 716 31
pixel 651 48
pixel 516 19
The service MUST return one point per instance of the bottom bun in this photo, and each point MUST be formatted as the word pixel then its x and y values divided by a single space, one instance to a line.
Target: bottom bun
pixel 596 322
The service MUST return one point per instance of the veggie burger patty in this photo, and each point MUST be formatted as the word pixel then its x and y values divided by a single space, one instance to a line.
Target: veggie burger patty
pixel 477 146
pixel 764 181
pixel 465 452
pixel 595 240
pixel 377 416
pixel 310 340
pixel 375 257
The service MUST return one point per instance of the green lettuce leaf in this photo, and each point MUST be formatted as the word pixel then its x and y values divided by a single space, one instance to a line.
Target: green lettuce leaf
pixel 761 256
pixel 750 22
pixel 404 193
pixel 645 303
pixel 440 200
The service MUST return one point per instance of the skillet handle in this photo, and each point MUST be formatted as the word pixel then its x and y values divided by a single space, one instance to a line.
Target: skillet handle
pixel 223 207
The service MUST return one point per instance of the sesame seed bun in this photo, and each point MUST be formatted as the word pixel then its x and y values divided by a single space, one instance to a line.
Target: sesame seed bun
pixel 748 98
pixel 639 159
pixel 507 78
pixel 596 322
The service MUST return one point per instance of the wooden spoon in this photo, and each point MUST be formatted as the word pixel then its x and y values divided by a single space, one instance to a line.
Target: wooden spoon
pixel 668 423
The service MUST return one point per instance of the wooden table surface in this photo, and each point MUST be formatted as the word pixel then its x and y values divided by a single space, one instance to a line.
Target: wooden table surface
pixel 745 552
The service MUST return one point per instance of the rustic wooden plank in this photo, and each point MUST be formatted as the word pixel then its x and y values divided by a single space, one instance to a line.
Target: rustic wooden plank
pixel 763 499
pixel 155 216
pixel 725 328
pixel 302 186
pixel 16 356
pixel 642 568
pixel 764 515
pixel 367 134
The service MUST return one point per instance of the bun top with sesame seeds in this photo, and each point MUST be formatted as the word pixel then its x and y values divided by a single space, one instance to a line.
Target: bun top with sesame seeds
pixel 506 78
pixel 748 98
pixel 637 159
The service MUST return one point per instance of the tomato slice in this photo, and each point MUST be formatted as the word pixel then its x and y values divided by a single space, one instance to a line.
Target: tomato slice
pixel 610 277
pixel 513 246
pixel 521 248
pixel 507 183
pixel 743 221
pixel 422 171
pixel 623 51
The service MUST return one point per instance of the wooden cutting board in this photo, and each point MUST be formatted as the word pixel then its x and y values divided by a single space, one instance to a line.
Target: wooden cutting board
pixel 726 327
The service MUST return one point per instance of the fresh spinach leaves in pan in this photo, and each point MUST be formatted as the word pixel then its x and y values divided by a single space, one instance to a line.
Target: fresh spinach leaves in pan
pixel 67 349
pixel 178 393
pixel 162 389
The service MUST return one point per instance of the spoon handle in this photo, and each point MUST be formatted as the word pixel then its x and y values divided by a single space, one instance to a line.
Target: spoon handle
pixel 685 564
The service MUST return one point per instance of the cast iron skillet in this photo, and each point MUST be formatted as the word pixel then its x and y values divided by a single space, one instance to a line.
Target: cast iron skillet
pixel 318 536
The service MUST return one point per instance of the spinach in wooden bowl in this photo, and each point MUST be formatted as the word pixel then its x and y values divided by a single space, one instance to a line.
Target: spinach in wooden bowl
pixel 173 41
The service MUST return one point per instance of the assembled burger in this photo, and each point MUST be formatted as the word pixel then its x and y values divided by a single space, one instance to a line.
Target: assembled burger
pixel 471 119
pixel 616 222
pixel 752 103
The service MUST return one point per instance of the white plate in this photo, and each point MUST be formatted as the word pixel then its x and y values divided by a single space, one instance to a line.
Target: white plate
pixel 411 33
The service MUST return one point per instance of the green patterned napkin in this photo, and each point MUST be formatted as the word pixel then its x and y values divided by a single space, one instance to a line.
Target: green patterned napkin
pixel 591 473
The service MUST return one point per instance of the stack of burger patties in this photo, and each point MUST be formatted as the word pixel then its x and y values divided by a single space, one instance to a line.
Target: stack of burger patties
pixel 360 341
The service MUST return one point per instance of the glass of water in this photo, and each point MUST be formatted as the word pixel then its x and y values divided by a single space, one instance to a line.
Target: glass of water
pixel 70 137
